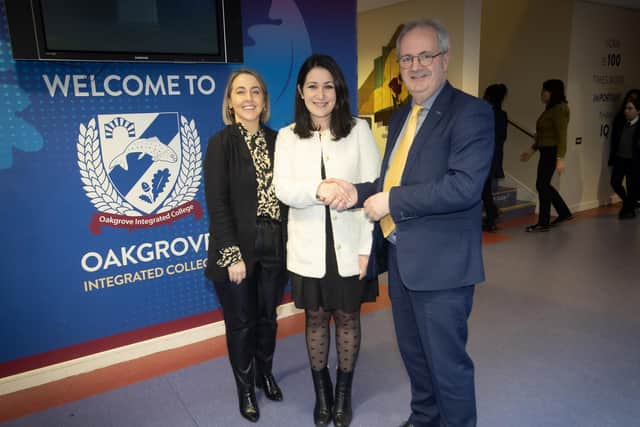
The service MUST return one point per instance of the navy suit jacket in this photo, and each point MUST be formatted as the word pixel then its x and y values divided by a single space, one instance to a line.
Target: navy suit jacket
pixel 437 207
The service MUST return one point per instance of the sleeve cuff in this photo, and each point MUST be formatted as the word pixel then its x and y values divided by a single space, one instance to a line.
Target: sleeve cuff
pixel 229 256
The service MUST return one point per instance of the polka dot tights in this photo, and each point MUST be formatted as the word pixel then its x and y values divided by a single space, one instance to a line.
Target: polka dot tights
pixel 319 338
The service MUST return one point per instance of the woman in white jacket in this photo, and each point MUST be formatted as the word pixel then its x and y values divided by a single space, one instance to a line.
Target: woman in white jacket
pixel 327 250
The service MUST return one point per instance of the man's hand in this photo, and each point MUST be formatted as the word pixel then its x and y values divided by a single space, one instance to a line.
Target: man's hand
pixel 560 165
pixel 377 206
pixel 237 272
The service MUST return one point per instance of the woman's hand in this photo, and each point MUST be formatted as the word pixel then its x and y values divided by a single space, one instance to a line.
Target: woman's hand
pixel 331 193
pixel 349 190
pixel 237 272
pixel 363 261
pixel 526 155
pixel 560 165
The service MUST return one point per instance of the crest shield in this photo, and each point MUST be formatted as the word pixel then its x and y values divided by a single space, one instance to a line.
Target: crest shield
pixel 142 156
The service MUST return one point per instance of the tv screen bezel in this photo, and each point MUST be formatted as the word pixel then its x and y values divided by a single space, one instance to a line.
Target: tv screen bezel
pixel 226 16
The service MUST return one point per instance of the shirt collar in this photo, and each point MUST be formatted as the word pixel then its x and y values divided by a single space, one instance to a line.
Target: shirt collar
pixel 634 121
pixel 245 133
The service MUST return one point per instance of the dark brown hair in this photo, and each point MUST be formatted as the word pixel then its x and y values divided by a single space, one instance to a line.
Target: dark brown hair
pixel 341 120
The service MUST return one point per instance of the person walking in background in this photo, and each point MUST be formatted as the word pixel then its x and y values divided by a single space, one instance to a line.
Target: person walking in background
pixel 551 142
pixel 247 236
pixel 327 250
pixel 494 95
pixel 618 124
pixel 625 157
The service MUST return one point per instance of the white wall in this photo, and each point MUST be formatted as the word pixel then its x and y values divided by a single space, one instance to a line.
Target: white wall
pixel 598 31
pixel 524 42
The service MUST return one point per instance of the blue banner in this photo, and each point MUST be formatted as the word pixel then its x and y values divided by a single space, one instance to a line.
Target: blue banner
pixel 104 223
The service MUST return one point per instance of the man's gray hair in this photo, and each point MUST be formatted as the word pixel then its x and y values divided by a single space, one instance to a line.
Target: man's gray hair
pixel 441 31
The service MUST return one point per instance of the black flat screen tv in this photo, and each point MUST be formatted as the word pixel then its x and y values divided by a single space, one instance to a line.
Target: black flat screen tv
pixel 126 30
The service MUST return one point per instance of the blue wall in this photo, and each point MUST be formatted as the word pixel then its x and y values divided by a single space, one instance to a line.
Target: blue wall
pixel 64 263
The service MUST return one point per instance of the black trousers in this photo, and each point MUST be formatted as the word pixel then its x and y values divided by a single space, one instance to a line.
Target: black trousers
pixel 249 307
pixel 547 194
pixel 487 199
pixel 623 170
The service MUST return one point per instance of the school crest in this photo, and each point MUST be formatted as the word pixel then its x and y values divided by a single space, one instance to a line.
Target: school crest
pixel 138 169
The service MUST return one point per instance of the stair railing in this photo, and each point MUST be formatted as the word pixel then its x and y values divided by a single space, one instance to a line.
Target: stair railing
pixel 529 193
pixel 521 129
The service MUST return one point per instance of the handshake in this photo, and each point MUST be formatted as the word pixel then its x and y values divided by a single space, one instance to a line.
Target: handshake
pixel 341 195
pixel 337 194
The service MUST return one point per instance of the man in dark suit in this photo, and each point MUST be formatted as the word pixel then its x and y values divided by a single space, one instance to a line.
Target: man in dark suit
pixel 428 204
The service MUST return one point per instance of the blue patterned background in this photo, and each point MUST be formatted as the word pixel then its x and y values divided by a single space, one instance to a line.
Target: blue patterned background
pixel 45 213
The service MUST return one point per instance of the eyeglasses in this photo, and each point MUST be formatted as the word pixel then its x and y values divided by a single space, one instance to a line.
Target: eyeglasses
pixel 424 59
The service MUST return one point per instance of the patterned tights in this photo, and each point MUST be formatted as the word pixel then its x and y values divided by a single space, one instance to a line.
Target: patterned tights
pixel 319 338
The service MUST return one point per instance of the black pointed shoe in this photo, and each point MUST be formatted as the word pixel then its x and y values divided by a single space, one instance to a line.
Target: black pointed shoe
pixel 342 412
pixel 323 409
pixel 247 402
pixel 248 405
pixel 270 387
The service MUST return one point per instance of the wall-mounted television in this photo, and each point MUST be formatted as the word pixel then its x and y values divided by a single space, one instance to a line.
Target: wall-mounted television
pixel 126 30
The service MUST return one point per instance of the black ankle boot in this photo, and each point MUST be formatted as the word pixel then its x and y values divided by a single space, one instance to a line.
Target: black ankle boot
pixel 324 397
pixel 342 412
pixel 265 379
pixel 268 384
pixel 248 405
pixel 247 393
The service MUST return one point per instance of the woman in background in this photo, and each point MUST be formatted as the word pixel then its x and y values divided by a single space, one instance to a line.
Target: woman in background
pixel 617 126
pixel 247 232
pixel 327 250
pixel 551 142
pixel 625 156
pixel 494 95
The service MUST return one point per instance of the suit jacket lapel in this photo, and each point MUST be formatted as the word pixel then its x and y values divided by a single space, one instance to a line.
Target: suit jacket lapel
pixel 423 136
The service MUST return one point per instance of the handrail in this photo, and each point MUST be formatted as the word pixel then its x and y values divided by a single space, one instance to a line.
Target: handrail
pixel 521 129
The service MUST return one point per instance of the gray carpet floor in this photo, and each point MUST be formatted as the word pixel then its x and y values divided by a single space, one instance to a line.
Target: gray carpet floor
pixel 554 333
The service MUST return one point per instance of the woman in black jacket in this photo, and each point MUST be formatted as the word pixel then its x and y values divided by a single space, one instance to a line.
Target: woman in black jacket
pixel 624 156
pixel 247 236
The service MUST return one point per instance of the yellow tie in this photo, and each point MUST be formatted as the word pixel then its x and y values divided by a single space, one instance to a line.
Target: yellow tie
pixel 396 166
